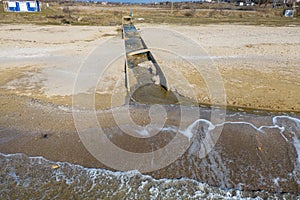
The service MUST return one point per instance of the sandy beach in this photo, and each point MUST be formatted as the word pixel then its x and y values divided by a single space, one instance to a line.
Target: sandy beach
pixel 39 66
pixel 258 65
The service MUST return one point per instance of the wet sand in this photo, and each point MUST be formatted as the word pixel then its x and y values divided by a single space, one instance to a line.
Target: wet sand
pixel 259 67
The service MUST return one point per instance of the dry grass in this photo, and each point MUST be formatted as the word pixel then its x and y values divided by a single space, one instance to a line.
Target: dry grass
pixel 189 14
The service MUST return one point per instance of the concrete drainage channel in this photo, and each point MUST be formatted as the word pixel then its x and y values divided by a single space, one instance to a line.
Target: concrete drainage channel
pixel 145 80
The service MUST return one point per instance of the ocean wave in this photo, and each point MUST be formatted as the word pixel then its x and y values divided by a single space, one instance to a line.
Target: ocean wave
pixel 26 177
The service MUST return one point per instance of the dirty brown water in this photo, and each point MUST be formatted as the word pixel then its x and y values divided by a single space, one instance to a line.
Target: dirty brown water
pixel 256 156
pixel 154 94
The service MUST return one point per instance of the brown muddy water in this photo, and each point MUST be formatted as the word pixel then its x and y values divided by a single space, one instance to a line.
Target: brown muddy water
pixel 154 94
pixel 255 157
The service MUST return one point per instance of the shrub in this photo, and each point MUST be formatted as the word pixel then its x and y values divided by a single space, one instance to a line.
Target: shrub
pixel 190 13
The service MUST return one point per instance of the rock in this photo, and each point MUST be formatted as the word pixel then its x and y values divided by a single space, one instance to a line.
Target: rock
pixel 155 79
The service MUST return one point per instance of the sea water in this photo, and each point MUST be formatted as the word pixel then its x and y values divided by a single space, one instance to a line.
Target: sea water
pixel 256 157
pixel 24 177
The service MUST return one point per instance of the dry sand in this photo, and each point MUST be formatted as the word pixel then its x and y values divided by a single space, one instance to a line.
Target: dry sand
pixel 259 65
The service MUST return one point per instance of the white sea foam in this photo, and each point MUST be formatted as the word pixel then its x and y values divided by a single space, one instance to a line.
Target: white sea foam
pixel 126 182
pixel 189 131
pixel 294 130
pixel 284 124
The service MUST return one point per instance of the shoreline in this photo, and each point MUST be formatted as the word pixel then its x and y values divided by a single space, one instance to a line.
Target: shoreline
pixel 40 65
pixel 195 188
pixel 58 140
pixel 228 108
